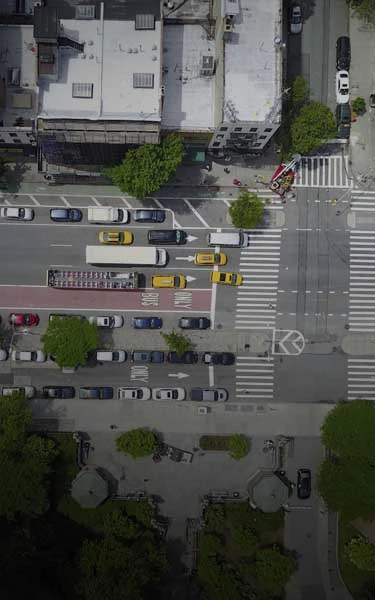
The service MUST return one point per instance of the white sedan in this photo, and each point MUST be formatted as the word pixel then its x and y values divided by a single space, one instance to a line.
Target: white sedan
pixel 17 213
pixel 168 394
pixel 109 321
pixel 29 355
pixel 142 393
pixel 342 87
pixel 295 19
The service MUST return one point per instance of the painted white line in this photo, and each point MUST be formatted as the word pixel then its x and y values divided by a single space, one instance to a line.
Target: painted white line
pixel 61 245
pixel 95 201
pixel 65 200
pixel 126 202
pixel 67 266
pixel 34 200
pixel 211 378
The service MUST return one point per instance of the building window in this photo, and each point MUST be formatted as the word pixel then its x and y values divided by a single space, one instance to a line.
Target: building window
pixel 85 11
pixel 268 129
pixel 14 76
pixel 253 128
pixel 257 145
pixel 262 137
pixel 144 22
pixel 238 129
pixel 82 90
pixel 216 143
pixel 143 80
pixel 223 128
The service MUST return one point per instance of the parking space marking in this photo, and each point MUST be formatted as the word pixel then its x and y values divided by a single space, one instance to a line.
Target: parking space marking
pixel 65 200
pixel 95 200
pixel 126 202
pixel 34 200
pixel 196 213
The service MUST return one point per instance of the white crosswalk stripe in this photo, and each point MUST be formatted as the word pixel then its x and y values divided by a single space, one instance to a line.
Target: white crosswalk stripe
pixel 324 171
pixel 259 266
pixel 271 201
pixel 254 377
pixel 361 378
pixel 362 201
pixel 362 281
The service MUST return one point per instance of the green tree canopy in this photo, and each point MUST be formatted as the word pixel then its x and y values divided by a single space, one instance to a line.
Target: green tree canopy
pixel 25 462
pixel 246 211
pixel 348 429
pixel 177 342
pixel 346 477
pixel 111 570
pixel 364 9
pixel 359 105
pixel 239 445
pixel 70 341
pixel 273 569
pixel 137 442
pixel 361 553
pixel 314 124
pixel 300 92
pixel 146 169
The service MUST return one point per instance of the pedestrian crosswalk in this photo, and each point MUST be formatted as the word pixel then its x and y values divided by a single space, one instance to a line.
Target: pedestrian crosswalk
pixel 362 281
pixel 254 377
pixel 259 266
pixel 362 201
pixel 361 378
pixel 324 171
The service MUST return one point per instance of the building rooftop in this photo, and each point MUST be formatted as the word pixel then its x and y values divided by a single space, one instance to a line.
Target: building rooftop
pixel 189 96
pixel 117 76
pixel 120 10
pixel 18 85
pixel 253 62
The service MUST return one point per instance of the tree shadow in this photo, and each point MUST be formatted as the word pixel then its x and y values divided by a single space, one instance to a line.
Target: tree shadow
pixel 14 175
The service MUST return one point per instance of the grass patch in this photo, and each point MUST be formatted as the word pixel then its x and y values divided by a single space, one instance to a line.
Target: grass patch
pixel 65 466
pixel 214 442
pixel 94 518
pixel 355 579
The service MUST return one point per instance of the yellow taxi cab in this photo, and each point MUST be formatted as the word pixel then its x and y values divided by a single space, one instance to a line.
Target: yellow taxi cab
pixel 210 258
pixel 226 278
pixel 168 281
pixel 115 237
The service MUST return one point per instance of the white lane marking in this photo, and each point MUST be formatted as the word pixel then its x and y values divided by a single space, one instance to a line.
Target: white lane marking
pixel 196 213
pixel 61 245
pixel 59 266
pixel 211 378
pixel 213 294
pixel 34 200
pixel 89 308
pixel 126 202
pixel 95 201
pixel 65 200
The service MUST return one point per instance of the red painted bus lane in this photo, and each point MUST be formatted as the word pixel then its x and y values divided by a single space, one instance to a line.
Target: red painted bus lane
pixel 149 299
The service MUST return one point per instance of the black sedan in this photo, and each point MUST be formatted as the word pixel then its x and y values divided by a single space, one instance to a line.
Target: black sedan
pixel 96 393
pixel 304 484
pixel 66 215
pixel 149 216
pixel 58 391
pixel 187 357
pixel 218 358
pixel 194 323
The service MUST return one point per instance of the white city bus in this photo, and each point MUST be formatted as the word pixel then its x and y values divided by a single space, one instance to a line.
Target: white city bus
pixel 126 255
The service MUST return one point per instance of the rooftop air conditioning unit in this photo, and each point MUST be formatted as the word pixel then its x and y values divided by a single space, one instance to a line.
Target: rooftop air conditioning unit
pixel 228 25
pixel 38 3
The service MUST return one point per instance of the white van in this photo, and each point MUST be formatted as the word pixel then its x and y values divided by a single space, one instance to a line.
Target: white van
pixel 234 239
pixel 107 214
pixel 111 356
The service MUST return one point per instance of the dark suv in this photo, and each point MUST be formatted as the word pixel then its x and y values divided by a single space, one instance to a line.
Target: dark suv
pixel 304 484
pixel 343 119
pixel 343 53
pixel 166 236
pixel 187 358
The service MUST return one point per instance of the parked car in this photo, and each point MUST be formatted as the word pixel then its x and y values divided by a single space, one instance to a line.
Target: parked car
pixel 343 53
pixel 28 390
pixel 116 237
pixel 58 391
pixel 194 323
pixel 54 316
pixel 304 484
pixel 29 355
pixel 209 395
pixel 342 87
pixel 66 215
pixel 166 236
pixel 168 281
pixel 3 354
pixel 17 213
pixel 108 321
pixel 96 393
pixel 148 356
pixel 147 322
pixel 168 394
pixel 226 278
pixel 218 358
pixel 149 216
pixel 141 393
pixel 110 356
pixel 23 319
pixel 343 119
pixel 188 357
pixel 210 258
pixel 295 19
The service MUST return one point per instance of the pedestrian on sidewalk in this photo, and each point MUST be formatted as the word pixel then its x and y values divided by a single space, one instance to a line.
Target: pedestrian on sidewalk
pixel 236 181
pixel 226 170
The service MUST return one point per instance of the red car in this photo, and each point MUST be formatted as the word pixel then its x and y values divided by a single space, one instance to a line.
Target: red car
pixel 25 319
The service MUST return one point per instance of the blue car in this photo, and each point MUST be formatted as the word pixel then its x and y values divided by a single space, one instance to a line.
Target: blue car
pixel 149 216
pixel 147 322
pixel 66 215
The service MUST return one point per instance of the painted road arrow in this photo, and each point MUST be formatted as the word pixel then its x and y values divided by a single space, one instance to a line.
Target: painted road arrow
pixel 178 375
pixel 191 238
pixel 190 278
pixel 189 258
pixel 290 342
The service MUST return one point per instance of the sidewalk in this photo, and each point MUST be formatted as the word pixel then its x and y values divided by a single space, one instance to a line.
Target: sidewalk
pixel 362 139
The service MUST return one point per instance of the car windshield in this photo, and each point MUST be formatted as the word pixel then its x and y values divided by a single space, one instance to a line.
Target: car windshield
pixel 222 277
pixel 176 281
